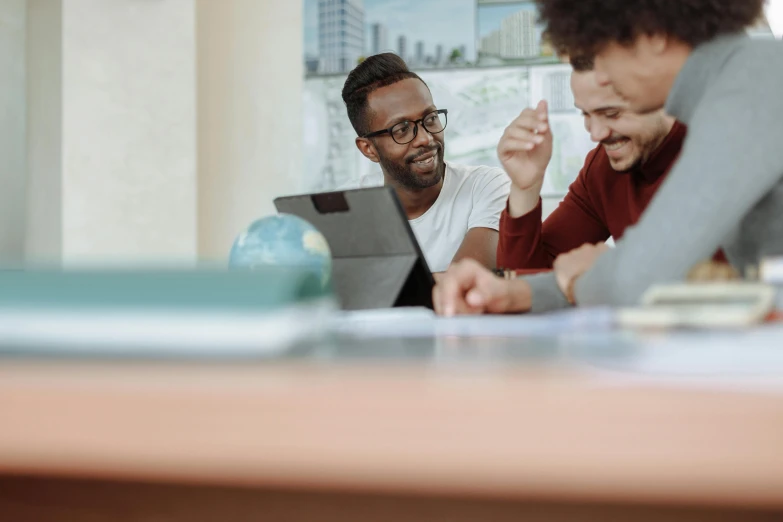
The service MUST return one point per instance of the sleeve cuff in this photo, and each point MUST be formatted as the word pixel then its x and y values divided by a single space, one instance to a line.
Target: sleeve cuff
pixel 545 295
pixel 490 224
pixel 523 225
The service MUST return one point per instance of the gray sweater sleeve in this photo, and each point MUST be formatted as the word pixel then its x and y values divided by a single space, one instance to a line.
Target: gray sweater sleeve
pixel 545 294
pixel 732 157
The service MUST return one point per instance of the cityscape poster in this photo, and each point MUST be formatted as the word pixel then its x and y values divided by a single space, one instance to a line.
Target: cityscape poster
pixel 428 34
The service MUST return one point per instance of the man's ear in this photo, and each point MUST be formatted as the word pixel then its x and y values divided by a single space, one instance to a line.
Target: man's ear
pixel 367 148
pixel 653 44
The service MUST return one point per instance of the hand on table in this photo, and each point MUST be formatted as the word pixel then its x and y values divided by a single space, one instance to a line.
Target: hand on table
pixel 572 265
pixel 467 288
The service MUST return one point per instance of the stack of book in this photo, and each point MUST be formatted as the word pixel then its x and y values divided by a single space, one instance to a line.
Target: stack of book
pixel 161 313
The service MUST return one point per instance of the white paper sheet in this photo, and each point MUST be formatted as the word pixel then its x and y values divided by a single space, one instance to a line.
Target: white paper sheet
pixel 417 322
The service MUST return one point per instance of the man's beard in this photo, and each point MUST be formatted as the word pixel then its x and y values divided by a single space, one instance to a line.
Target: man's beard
pixel 403 174
pixel 646 145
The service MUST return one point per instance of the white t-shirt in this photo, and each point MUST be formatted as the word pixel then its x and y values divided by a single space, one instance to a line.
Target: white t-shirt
pixel 472 197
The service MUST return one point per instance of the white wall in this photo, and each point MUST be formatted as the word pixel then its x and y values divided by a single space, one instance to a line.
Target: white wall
pixel 12 130
pixel 112 136
pixel 250 114
pixel 129 139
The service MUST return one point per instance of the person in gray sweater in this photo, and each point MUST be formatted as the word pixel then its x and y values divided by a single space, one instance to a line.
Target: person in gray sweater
pixel 693 58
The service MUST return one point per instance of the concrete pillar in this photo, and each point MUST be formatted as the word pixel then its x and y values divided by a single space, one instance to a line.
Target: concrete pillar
pixel 43 242
pixel 12 130
pixel 157 130
pixel 112 131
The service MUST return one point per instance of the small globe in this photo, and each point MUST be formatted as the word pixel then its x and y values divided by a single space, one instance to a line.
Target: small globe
pixel 283 240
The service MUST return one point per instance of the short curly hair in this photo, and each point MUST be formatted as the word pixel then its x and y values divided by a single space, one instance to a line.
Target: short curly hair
pixel 584 27
pixel 581 63
pixel 377 71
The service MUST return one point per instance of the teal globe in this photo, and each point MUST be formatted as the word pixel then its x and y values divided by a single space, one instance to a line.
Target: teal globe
pixel 283 240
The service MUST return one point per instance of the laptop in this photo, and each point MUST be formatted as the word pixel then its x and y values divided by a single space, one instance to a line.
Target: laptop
pixel 376 260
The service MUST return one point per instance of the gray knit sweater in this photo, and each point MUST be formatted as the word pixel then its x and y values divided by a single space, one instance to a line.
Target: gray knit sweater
pixel 725 191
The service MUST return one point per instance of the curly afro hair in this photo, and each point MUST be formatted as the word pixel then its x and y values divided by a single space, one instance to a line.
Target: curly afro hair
pixel 583 27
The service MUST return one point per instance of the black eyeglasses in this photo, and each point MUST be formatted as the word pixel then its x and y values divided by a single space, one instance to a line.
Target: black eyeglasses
pixel 405 132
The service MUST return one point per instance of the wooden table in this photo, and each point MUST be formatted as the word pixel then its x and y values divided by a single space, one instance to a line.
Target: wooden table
pixel 89 441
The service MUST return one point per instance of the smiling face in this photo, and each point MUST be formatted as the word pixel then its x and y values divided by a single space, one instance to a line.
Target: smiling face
pixel 416 165
pixel 629 139
pixel 641 73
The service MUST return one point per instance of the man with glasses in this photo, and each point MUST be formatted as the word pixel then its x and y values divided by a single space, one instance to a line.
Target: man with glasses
pixel 454 210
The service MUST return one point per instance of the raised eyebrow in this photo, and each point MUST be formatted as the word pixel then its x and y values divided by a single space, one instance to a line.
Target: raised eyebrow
pixel 402 118
pixel 608 109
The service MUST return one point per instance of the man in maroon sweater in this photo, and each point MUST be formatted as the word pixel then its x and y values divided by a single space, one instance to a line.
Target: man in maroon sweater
pixel 618 180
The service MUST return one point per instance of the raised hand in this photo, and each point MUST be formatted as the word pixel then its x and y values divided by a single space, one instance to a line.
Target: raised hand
pixel 526 147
